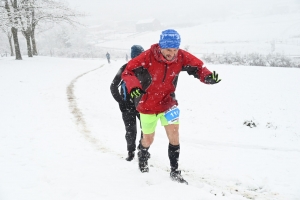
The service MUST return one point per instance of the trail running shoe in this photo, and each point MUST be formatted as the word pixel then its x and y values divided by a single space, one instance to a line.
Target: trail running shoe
pixel 130 156
pixel 143 161
pixel 175 175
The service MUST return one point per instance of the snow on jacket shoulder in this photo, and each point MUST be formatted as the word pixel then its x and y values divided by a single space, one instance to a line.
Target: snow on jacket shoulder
pixel 158 77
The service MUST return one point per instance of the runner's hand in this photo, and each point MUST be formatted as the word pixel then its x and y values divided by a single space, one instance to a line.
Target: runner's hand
pixel 136 92
pixel 212 78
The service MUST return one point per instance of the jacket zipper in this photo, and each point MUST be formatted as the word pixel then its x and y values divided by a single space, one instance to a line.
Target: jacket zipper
pixel 166 66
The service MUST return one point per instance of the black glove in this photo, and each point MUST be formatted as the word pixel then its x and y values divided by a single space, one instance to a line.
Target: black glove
pixel 212 78
pixel 136 92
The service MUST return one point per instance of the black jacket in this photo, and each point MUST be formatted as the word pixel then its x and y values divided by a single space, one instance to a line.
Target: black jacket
pixel 119 92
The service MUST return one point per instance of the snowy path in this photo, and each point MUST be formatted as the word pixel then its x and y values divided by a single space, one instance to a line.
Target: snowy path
pixel 108 136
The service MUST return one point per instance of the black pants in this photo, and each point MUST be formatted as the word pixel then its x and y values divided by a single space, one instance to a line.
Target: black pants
pixel 129 116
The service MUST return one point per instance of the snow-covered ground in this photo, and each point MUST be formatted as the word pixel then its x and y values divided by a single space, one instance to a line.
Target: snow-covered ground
pixel 62 136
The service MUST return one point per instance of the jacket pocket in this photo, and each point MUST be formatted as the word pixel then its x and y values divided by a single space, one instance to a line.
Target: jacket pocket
pixel 142 99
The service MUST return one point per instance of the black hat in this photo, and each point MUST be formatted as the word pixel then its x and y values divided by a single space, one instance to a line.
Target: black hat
pixel 136 50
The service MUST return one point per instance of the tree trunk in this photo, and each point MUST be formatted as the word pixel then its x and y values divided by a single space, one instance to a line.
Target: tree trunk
pixel 16 43
pixel 10 44
pixel 28 42
pixel 34 49
pixel 32 34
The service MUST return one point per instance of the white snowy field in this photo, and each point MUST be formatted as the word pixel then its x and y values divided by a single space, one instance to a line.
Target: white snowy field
pixel 62 136
pixel 236 35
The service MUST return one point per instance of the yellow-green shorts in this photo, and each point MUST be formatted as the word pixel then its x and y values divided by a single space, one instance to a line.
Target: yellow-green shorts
pixel 149 122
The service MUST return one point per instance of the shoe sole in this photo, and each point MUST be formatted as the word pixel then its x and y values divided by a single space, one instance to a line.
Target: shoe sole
pixel 183 181
pixel 144 170
pixel 129 159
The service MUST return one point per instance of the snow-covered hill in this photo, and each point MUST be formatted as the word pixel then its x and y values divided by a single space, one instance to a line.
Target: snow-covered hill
pixel 243 35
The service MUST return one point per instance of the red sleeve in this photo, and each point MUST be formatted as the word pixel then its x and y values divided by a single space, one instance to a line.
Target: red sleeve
pixel 194 62
pixel 203 73
pixel 128 74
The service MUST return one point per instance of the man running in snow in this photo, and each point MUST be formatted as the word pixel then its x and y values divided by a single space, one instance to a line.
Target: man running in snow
pixel 151 80
pixel 127 107
pixel 108 57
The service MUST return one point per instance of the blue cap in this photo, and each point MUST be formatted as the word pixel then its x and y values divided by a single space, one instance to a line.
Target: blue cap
pixel 136 50
pixel 169 39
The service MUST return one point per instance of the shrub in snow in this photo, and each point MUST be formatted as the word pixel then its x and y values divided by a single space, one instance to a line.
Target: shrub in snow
pixel 253 59
pixel 297 64
pixel 279 60
pixel 210 58
pixel 250 123
pixel 236 59
pixel 270 125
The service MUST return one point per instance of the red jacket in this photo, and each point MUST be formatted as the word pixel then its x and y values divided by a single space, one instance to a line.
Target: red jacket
pixel 158 77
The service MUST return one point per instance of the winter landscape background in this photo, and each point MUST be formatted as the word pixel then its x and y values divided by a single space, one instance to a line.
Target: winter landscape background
pixel 62 135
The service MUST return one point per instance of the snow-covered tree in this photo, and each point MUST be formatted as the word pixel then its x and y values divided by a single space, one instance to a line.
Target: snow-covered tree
pixel 10 17
pixel 5 28
pixel 51 12
pixel 26 15
pixel 27 7
pixel 8 33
